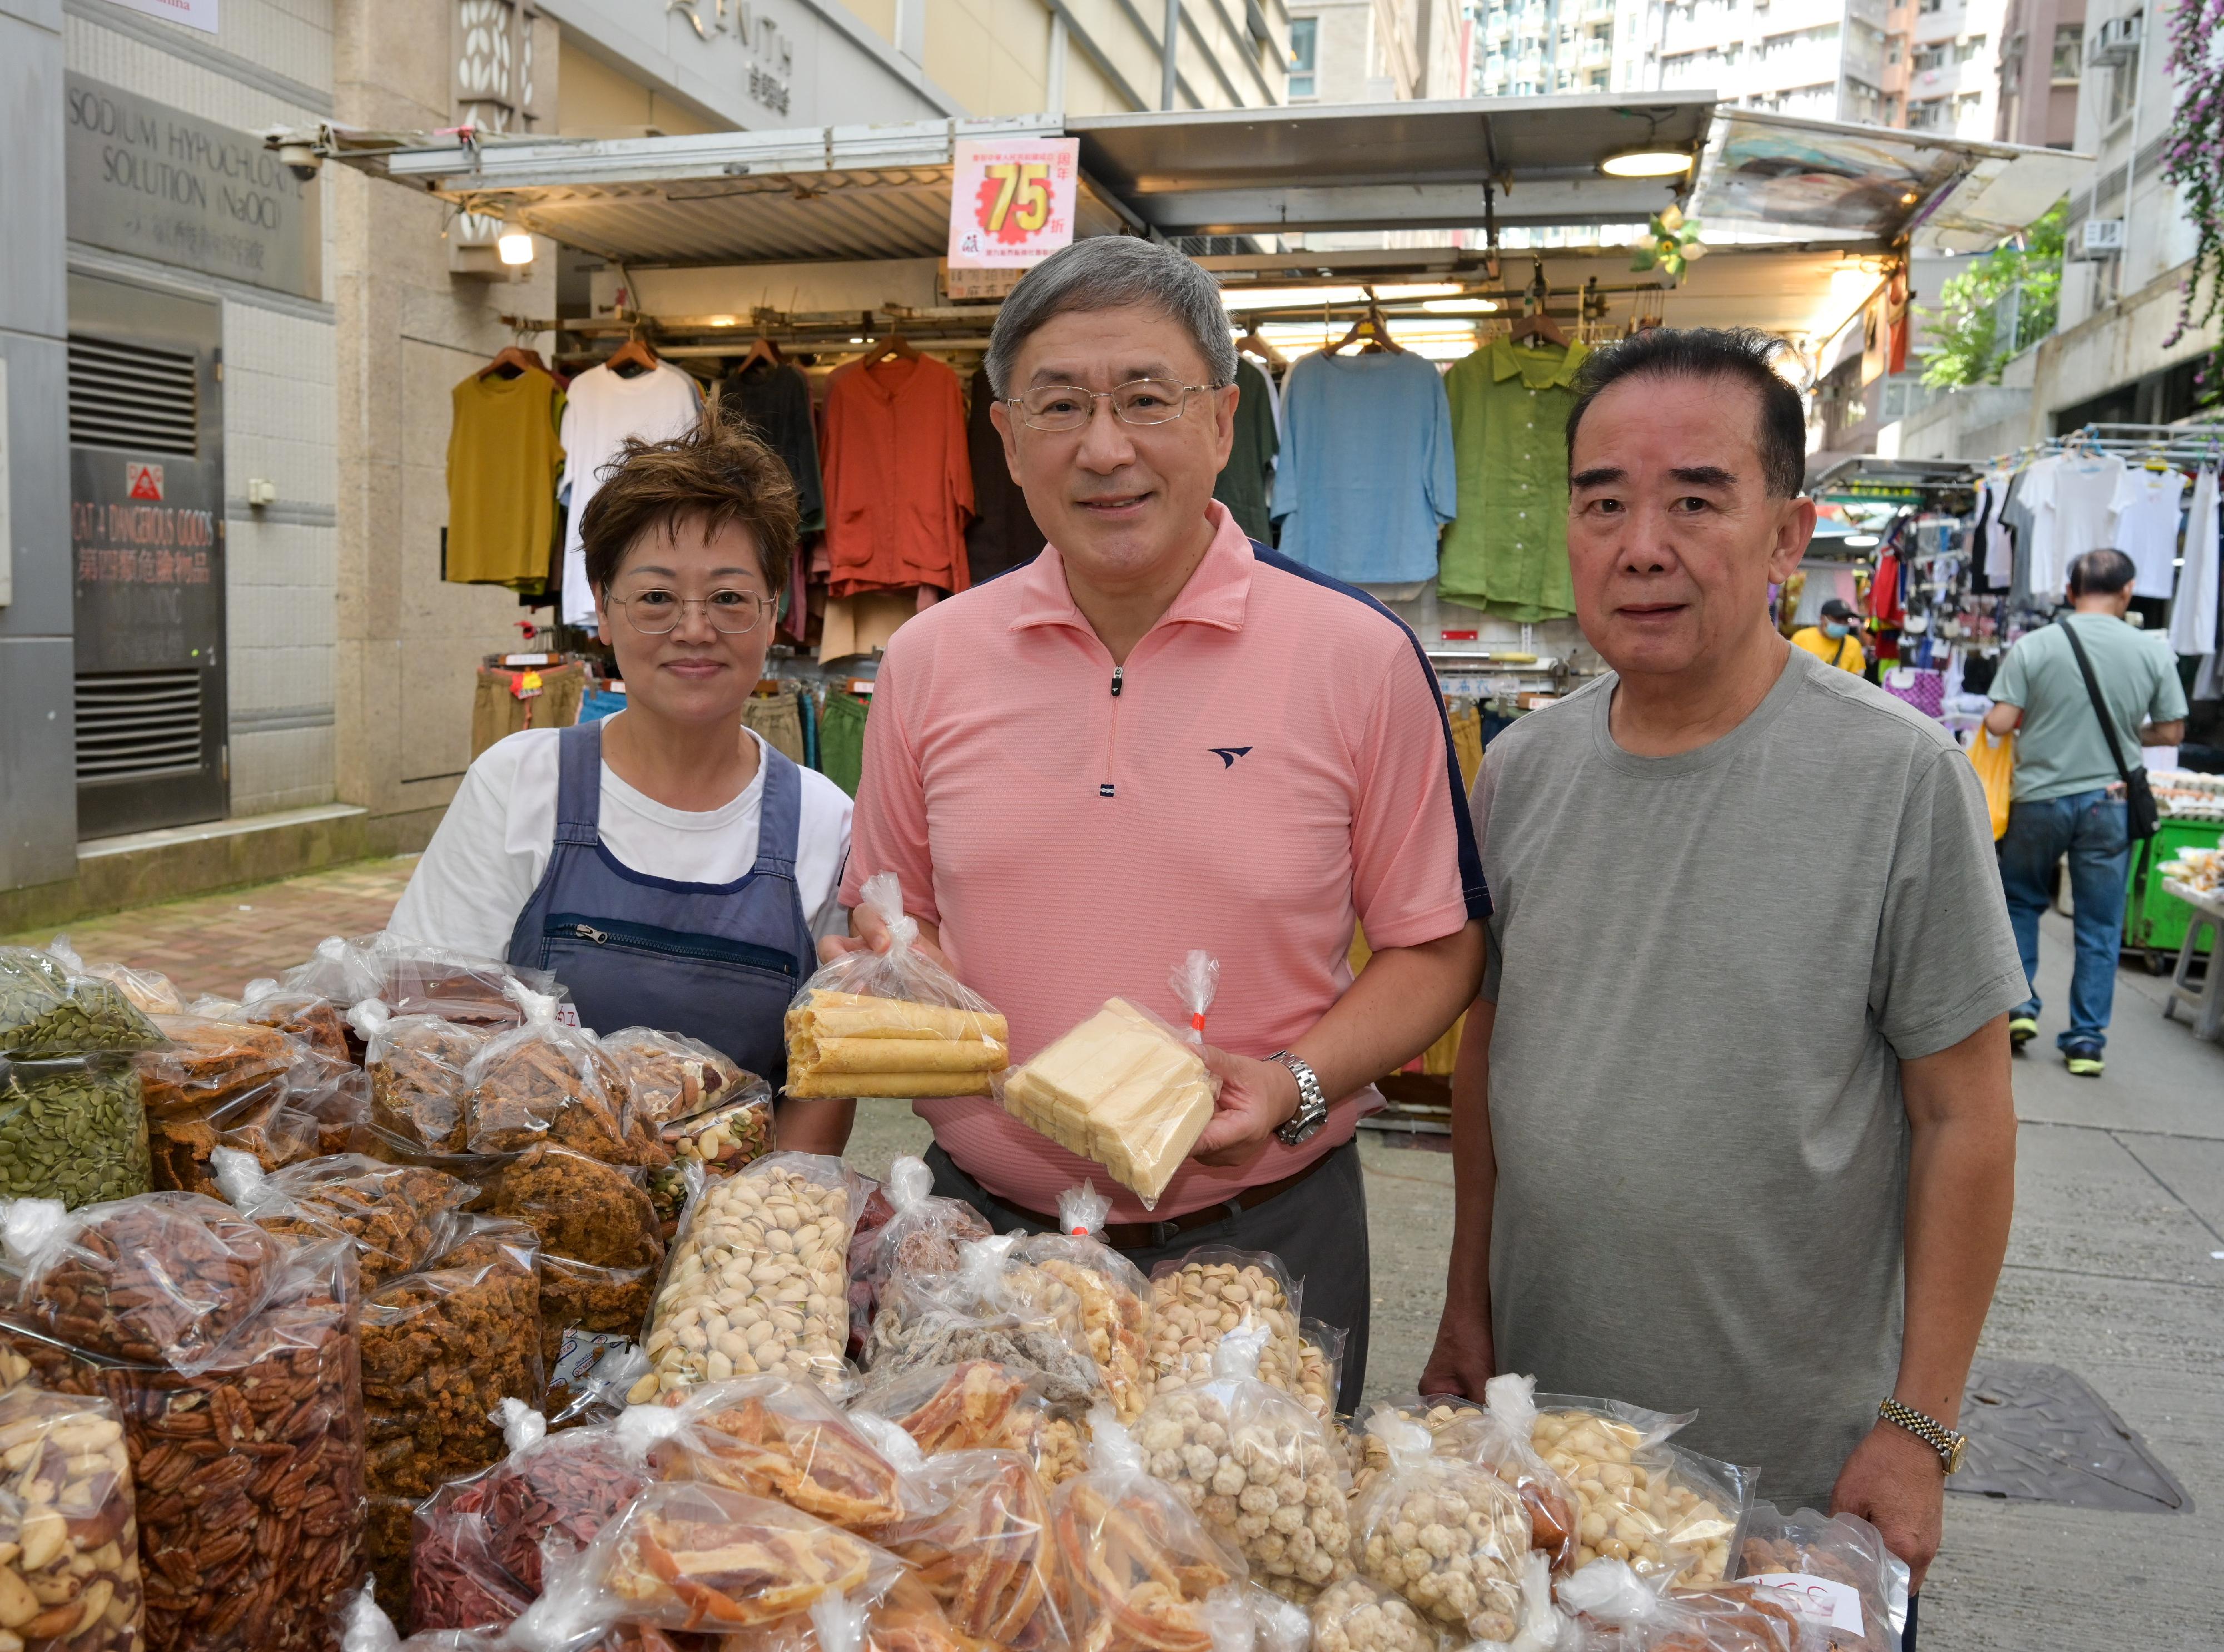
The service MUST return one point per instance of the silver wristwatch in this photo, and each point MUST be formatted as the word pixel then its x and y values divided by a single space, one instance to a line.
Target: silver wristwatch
pixel 1313 1105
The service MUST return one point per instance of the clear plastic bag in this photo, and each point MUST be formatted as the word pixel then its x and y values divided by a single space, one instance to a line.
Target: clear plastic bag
pixel 47 1009
pixel 758 1279
pixel 1318 1379
pixel 1448 1536
pixel 68 1526
pixel 1256 1466
pixel 542 1081
pixel 1208 1293
pixel 893 1023
pixel 905 1619
pixel 690 1556
pixel 1113 1297
pixel 399 1216
pixel 728 1136
pixel 1124 1088
pixel 920 1238
pixel 316 1022
pixel 601 1244
pixel 977 1404
pixel 267 1354
pixel 71 1128
pixel 150 992
pixel 1618 1611
pixel 442 1349
pixel 994 1308
pixel 984 1552
pixel 1498 1438
pixel 1353 1615
pixel 414 978
pixel 416 1066
pixel 671 1076
pixel 1835 1575
pixel 1135 1566
pixel 1662 1510
pixel 221 1084
pixel 773 1437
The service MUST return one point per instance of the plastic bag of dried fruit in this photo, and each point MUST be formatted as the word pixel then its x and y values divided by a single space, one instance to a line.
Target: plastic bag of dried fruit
pixel 690 1556
pixel 1256 1466
pixel 993 1307
pixel 1208 1293
pixel 974 1404
pixel 67 1524
pixel 921 1238
pixel 757 1280
pixel 1664 1511
pixel 442 1349
pixel 1449 1537
pixel 227 1333
pixel 399 1216
pixel 542 1081
pixel 416 1066
pixel 1135 1566
pixel 982 1546
pixel 775 1437
pixel 1616 1610
pixel 891 1023
pixel 1115 1297
pixel 1835 1575
pixel 906 1619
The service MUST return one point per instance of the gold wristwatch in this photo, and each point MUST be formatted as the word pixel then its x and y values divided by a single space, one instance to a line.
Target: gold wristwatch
pixel 1950 1445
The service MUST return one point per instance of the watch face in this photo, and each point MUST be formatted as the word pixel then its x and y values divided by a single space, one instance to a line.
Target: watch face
pixel 1954 1456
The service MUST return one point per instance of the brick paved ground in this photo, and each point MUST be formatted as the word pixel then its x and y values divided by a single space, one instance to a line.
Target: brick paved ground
pixel 218 943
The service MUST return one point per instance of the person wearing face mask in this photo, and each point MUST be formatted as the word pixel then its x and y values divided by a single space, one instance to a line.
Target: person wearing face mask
pixel 1832 641
pixel 670 867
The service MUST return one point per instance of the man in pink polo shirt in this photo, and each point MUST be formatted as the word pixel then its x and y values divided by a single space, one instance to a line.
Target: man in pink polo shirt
pixel 1161 736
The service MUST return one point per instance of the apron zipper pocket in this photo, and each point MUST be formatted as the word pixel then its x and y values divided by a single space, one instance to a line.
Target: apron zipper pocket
pixel 588 932
pixel 671 943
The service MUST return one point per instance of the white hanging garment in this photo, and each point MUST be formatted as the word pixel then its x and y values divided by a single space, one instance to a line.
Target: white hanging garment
pixel 2193 617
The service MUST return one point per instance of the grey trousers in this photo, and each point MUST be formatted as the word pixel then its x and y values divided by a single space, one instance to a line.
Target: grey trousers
pixel 1318 1229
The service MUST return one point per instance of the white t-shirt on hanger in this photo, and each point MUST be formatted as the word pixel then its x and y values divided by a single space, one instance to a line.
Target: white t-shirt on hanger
pixel 493 846
pixel 2193 617
pixel 601 410
pixel 2146 503
pixel 2072 499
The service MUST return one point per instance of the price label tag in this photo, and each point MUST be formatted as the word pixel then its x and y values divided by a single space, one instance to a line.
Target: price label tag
pixel 1011 205
pixel 1819 1600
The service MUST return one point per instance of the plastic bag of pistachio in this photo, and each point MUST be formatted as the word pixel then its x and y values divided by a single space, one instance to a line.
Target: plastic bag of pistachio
pixel 71 1128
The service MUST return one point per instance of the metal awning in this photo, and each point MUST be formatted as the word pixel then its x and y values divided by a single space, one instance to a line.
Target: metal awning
pixel 883 192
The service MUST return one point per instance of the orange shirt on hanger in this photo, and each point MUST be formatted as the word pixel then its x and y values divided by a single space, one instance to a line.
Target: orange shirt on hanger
pixel 898 481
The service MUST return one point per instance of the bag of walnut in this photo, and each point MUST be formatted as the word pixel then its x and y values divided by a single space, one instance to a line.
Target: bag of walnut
pixel 231 1357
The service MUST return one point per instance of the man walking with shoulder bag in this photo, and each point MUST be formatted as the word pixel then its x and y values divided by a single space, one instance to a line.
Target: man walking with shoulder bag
pixel 2081 697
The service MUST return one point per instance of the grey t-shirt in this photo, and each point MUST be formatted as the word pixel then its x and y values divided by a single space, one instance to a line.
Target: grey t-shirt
pixel 2059 747
pixel 1708 968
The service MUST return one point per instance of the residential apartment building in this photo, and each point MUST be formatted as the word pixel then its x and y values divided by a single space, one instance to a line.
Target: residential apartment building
pixel 2042 60
pixel 1376 51
pixel 1531 48
pixel 227 650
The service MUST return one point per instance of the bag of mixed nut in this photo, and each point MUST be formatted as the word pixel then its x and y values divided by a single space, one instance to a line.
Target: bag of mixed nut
pixel 1256 1466
pixel 47 1009
pixel 920 1236
pixel 758 1279
pixel 67 1525
pixel 399 1216
pixel 71 1128
pixel 442 1348
pixel 232 1358
pixel 671 1076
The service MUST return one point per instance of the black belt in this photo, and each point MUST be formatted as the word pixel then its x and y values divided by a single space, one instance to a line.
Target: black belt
pixel 1150 1235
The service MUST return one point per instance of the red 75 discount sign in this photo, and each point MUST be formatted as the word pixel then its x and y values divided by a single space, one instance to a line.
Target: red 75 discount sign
pixel 1011 205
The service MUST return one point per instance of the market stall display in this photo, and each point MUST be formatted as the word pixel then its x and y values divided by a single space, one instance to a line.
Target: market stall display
pixel 921 1236
pixel 416 1065
pixel 46 1008
pixel 993 1307
pixel 221 1084
pixel 773 1437
pixel 893 1023
pixel 600 1244
pixel 1209 1293
pixel 758 1281
pixel 1125 1089
pixel 984 1553
pixel 398 1216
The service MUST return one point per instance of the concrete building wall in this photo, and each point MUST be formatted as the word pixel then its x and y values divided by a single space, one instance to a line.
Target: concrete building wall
pixel 2041 63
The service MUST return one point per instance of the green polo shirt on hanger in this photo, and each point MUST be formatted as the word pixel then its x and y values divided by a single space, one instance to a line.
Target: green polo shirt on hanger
pixel 1507 551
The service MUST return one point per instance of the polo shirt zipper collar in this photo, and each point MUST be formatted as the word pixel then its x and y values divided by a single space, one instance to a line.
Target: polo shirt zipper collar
pixel 1216 594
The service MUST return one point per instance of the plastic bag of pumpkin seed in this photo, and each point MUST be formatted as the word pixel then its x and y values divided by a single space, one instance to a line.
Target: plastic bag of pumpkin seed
pixel 47 1009
pixel 71 1128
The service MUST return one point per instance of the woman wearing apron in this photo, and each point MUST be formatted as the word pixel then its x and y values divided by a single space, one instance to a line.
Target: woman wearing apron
pixel 670 867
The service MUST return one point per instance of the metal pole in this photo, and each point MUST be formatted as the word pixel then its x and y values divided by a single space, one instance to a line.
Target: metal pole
pixel 1054 72
pixel 2132 160
pixel 1169 46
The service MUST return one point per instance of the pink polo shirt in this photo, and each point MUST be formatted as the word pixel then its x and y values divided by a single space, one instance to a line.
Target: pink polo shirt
pixel 1273 766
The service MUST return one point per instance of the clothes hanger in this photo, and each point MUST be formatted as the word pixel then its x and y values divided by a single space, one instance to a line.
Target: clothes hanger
pixel 1373 329
pixel 894 344
pixel 514 361
pixel 633 352
pixel 1252 345
pixel 762 349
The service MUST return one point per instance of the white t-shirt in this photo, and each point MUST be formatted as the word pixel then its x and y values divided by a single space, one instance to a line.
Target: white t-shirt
pixel 601 410
pixel 493 846
pixel 2072 500
pixel 2147 505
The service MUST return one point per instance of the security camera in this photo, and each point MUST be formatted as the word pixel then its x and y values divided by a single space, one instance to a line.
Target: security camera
pixel 301 160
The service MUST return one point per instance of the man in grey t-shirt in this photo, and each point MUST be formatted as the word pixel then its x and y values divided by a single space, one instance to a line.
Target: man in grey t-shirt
pixel 1710 1153
pixel 2063 774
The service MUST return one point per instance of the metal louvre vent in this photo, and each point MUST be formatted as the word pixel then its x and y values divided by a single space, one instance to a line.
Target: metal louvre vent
pixel 133 395
pixel 138 724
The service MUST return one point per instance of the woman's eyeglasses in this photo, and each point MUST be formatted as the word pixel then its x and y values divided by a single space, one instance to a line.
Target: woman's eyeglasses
pixel 657 612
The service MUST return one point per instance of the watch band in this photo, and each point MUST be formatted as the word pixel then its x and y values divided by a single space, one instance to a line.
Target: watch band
pixel 1312 1104
pixel 1950 1445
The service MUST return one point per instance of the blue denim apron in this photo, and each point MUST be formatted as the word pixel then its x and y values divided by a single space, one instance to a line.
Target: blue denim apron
pixel 715 961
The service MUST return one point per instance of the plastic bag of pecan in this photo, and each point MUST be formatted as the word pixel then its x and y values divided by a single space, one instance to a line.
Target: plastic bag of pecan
pixel 543 1081
pixel 232 1358
pixel 399 1216
pixel 441 1349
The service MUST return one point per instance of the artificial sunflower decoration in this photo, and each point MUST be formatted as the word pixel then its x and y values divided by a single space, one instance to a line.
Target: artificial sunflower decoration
pixel 1675 242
